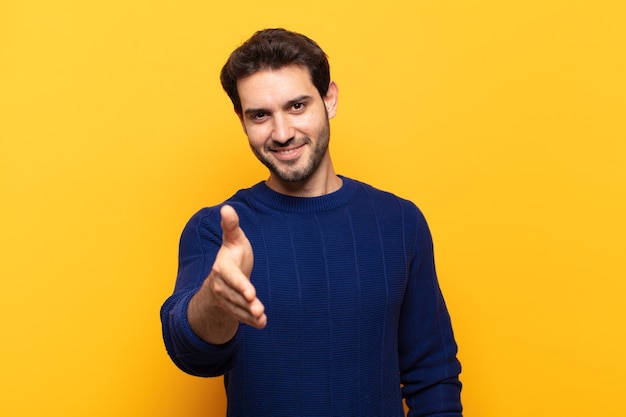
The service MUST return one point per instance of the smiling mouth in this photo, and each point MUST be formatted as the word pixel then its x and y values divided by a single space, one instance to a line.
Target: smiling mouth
pixel 287 153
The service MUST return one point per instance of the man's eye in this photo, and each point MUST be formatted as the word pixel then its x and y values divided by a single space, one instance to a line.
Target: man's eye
pixel 298 106
pixel 259 115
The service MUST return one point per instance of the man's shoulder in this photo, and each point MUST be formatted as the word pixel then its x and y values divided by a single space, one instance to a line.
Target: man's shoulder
pixel 379 195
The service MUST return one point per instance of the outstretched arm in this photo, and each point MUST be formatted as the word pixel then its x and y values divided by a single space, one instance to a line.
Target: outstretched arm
pixel 227 296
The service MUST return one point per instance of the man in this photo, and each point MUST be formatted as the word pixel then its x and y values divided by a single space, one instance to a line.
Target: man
pixel 312 293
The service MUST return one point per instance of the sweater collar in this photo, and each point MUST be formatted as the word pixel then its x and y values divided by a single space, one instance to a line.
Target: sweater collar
pixel 261 194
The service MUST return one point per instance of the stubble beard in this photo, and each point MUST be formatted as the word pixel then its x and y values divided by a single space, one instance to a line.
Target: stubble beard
pixel 290 173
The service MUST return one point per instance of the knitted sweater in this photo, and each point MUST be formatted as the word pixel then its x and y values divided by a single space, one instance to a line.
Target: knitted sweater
pixel 356 319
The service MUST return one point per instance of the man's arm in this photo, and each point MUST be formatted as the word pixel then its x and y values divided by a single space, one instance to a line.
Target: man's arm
pixel 227 296
pixel 429 368
pixel 212 295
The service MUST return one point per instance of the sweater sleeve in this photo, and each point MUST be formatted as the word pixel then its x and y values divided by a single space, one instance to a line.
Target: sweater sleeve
pixel 199 244
pixel 429 368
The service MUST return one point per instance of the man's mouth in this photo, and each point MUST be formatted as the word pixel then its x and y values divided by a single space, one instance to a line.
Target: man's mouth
pixel 290 153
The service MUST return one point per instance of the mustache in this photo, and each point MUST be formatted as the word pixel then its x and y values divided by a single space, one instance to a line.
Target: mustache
pixel 293 142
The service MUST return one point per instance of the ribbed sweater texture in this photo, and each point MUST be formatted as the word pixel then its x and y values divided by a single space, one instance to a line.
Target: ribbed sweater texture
pixel 356 319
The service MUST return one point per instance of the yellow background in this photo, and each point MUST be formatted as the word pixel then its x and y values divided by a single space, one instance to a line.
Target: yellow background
pixel 503 120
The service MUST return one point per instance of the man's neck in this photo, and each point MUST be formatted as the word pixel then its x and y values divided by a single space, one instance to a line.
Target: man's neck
pixel 321 183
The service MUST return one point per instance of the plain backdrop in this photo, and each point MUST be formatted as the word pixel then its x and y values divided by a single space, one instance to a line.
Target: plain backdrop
pixel 503 120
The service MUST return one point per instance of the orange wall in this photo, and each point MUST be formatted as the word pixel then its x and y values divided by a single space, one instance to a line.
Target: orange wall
pixel 503 120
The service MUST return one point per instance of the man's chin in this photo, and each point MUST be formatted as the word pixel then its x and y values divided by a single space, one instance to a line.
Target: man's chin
pixel 291 177
pixel 290 173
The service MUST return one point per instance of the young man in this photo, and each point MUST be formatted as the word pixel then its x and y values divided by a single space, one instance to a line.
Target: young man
pixel 312 293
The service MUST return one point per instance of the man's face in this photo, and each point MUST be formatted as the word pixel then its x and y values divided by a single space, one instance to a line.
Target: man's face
pixel 286 121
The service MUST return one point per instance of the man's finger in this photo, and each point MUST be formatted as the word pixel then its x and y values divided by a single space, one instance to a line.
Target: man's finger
pixel 248 311
pixel 230 275
pixel 230 225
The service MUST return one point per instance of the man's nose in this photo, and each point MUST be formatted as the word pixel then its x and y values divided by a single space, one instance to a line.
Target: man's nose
pixel 282 129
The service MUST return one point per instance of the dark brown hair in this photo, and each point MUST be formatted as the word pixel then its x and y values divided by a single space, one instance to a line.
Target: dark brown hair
pixel 274 49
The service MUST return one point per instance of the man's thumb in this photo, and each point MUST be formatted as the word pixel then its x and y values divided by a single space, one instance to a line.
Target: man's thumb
pixel 230 224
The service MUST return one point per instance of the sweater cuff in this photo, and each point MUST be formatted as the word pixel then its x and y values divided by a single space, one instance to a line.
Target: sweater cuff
pixel 196 341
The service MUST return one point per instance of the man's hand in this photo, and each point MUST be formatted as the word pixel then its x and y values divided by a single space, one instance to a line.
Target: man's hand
pixel 227 296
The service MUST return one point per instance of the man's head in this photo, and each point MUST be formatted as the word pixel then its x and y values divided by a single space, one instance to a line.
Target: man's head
pixel 274 49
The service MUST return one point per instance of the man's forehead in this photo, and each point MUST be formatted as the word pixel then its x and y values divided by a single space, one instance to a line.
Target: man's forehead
pixel 293 72
pixel 272 86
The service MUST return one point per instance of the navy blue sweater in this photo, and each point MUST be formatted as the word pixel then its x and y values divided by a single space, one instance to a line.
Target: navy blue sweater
pixel 356 319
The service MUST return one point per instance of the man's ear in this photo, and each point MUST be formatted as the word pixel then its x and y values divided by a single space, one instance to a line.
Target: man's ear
pixel 331 99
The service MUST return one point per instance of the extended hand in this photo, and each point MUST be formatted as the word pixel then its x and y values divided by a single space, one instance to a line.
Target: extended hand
pixel 230 276
pixel 227 296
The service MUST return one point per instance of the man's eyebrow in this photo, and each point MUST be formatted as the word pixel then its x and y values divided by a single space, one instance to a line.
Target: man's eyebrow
pixel 299 99
pixel 251 112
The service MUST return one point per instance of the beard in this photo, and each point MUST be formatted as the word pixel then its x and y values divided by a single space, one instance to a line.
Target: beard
pixel 296 171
